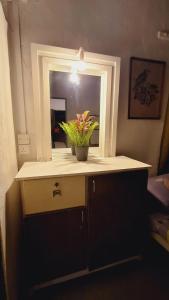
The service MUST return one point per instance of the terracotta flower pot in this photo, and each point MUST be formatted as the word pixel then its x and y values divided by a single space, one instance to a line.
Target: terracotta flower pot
pixel 81 152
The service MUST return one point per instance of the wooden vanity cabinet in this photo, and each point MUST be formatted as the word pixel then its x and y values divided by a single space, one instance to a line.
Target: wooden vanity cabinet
pixel 105 222
pixel 116 216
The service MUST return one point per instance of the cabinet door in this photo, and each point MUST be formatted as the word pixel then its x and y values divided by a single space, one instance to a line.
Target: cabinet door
pixel 55 244
pixel 116 216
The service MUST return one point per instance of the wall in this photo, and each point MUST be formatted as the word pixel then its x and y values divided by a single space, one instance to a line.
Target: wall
pixel 119 28
pixel 164 155
pixel 9 191
pixel 85 96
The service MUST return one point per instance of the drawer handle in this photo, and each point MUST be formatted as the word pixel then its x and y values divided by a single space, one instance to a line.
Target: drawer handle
pixel 94 186
pixel 56 184
pixel 57 192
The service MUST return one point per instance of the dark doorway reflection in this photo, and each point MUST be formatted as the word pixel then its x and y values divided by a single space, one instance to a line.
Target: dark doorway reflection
pixel 58 137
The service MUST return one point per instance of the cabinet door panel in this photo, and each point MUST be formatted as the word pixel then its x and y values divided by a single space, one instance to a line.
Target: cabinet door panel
pixel 116 216
pixel 55 244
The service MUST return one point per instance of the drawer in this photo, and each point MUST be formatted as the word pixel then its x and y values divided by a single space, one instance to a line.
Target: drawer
pixel 42 195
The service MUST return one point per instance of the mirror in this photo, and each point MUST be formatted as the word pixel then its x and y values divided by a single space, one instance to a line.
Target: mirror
pixel 68 98
pixel 50 58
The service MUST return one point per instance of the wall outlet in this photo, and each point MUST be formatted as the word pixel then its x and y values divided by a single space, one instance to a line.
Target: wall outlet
pixel 23 139
pixel 24 149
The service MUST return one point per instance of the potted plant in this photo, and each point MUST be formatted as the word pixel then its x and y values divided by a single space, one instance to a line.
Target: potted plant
pixel 69 128
pixel 84 127
pixel 79 132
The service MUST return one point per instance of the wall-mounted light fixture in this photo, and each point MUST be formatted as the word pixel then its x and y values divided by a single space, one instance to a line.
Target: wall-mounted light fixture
pixel 78 66
pixel 81 64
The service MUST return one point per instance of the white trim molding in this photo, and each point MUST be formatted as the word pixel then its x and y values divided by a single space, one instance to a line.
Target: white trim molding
pixel 49 58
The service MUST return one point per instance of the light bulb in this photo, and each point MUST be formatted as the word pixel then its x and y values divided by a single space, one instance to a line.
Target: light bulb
pixel 74 78
pixel 81 65
pixel 77 66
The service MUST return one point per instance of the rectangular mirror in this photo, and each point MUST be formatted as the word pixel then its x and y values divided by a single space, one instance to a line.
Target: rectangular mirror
pixel 67 98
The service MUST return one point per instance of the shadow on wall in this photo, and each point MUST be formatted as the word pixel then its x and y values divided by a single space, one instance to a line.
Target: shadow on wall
pixel 13 241
pixel 2 277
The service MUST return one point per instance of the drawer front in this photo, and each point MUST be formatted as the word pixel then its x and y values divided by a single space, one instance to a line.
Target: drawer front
pixel 44 195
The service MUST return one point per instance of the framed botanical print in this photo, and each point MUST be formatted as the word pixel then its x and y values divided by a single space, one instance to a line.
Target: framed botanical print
pixel 146 88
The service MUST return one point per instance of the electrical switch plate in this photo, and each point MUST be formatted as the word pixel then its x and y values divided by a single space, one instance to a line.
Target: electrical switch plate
pixel 24 149
pixel 23 139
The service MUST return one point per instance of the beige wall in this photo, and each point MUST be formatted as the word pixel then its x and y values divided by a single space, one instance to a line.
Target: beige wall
pixel 118 28
pixel 9 191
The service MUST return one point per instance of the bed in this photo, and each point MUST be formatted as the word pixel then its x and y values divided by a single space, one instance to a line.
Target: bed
pixel 158 196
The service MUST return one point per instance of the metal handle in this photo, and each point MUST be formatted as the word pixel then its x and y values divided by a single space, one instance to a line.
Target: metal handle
pixel 57 192
pixel 82 219
pixel 94 186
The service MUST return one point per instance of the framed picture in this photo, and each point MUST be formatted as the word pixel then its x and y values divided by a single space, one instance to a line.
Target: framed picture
pixel 146 88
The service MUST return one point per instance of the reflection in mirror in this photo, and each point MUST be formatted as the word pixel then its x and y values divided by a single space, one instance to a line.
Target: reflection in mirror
pixel 68 98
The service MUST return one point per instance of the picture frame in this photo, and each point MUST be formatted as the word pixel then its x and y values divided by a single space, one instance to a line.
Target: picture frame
pixel 59 104
pixel 146 80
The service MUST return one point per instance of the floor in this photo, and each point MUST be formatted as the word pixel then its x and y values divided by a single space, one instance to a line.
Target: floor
pixel 148 279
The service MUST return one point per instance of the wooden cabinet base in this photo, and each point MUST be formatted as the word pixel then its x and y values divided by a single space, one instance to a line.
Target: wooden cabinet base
pixel 82 273
pixel 109 230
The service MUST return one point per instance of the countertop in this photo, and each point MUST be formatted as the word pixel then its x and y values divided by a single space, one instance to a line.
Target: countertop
pixel 64 164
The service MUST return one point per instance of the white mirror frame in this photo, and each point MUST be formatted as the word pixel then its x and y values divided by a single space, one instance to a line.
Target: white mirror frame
pixel 48 58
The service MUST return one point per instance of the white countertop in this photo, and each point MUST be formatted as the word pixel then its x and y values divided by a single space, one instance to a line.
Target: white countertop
pixel 64 164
